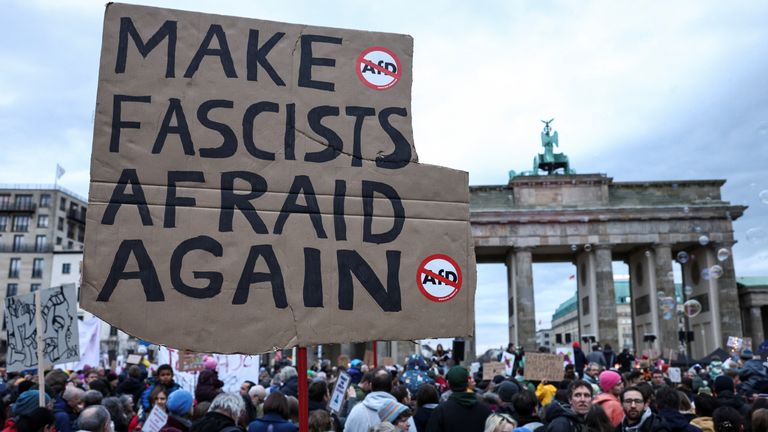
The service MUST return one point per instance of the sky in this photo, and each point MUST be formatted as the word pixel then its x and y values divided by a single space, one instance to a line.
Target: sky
pixel 639 91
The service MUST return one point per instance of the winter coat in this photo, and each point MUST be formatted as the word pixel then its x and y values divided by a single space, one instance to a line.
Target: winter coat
pixel 131 386
pixel 612 407
pixel 64 417
pixel 366 413
pixel 145 396
pixel 561 418
pixel 704 423
pixel 727 398
pixel 674 421
pixel 625 361
pixel 291 387
pixel 451 416
pixel 208 386
pixel 596 357
pixel 214 422
pixel 422 415
pixel 649 422
pixel 273 423
pixel 610 358
pixel 750 374
pixel 579 361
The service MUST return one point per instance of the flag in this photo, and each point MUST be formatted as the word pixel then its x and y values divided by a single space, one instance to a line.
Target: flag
pixel 59 171
pixel 571 277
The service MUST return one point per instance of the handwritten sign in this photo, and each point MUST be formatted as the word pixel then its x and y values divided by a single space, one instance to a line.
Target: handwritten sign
pixel 339 391
pixel 540 367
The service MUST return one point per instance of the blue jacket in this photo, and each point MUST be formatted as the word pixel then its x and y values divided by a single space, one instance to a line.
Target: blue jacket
pixel 278 424
pixel 64 417
pixel 148 391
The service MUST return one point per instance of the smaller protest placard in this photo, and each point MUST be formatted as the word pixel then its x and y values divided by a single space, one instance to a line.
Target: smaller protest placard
pixel 674 374
pixel 155 421
pixel 508 359
pixel 541 367
pixel 190 362
pixel 337 398
pixel 133 359
pixel 491 369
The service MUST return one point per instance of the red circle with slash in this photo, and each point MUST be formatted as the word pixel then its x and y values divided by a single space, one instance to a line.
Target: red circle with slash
pixel 378 68
pixel 439 278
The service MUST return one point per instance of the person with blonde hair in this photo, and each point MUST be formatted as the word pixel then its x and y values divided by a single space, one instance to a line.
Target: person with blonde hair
pixel 500 423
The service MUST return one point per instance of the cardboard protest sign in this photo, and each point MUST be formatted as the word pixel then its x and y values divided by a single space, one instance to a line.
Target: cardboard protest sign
pixel 254 185
pixel 491 369
pixel 540 367
pixel 58 310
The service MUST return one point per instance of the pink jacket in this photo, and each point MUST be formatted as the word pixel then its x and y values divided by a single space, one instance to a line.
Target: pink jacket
pixel 612 407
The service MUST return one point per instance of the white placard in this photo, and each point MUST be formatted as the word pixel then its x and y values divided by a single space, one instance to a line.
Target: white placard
pixel 674 374
pixel 155 421
pixel 337 398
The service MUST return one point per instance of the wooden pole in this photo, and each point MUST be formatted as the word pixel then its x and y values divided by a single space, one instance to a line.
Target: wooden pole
pixel 39 340
pixel 303 391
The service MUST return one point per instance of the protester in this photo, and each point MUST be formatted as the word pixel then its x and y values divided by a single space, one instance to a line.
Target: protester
pixel 427 399
pixel 724 389
pixel 163 378
pixel 570 417
pixel 133 385
pixel 579 359
pixel 37 420
pixel 396 414
pixel 638 416
pixel 321 421
pixel 668 405
pixel 727 419
pixel 95 418
pixel 597 421
pixel 208 383
pixel 365 414
pixel 276 415
pixel 705 406
pixel 462 412
pixel 611 384
pixel 596 356
pixel 289 378
pixel 499 423
pixel 525 404
pixel 222 415
pixel 116 413
pixel 179 410
pixel 67 408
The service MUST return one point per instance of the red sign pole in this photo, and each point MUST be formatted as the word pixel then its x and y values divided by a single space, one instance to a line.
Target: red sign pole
pixel 303 391
pixel 375 354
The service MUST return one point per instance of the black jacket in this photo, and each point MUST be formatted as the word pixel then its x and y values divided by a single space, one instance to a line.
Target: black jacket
pixel 450 416
pixel 212 422
pixel 727 398
pixel 561 418
pixel 422 416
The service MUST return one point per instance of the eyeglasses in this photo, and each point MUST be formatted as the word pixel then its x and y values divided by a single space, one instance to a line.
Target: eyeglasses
pixel 631 402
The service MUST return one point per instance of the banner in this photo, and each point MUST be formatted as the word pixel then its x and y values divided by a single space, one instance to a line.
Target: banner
pixel 58 311
pixel 255 186
pixel 233 369
pixel 89 332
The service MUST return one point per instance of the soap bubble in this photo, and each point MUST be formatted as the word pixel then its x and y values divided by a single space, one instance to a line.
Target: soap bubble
pixel 703 240
pixel 757 235
pixel 688 290
pixel 763 196
pixel 723 254
pixel 682 257
pixel 692 308
pixel 587 247
pixel 705 274
pixel 715 272
pixel 574 248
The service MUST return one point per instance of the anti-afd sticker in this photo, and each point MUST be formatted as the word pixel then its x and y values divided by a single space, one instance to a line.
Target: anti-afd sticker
pixel 378 68
pixel 439 278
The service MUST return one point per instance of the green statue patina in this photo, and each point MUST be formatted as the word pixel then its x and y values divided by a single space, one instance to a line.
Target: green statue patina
pixel 548 161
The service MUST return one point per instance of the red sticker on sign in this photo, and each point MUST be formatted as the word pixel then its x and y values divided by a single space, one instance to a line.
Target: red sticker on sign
pixel 439 278
pixel 378 68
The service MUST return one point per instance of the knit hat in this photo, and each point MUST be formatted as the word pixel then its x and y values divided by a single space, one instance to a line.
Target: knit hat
pixel 498 379
pixel 457 377
pixel 391 410
pixel 746 354
pixel 608 380
pixel 209 362
pixel 27 402
pixel 506 390
pixel 723 383
pixel 180 402
pixel 576 345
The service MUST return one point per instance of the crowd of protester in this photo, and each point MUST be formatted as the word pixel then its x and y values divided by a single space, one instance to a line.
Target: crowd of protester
pixel 600 392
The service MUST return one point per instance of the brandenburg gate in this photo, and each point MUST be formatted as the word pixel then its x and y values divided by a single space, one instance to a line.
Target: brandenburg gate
pixel 591 221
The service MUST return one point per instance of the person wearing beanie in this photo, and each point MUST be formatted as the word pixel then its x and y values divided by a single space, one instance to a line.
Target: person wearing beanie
pixel 462 412
pixel 395 413
pixel 27 402
pixel 506 390
pixel 365 415
pixel 611 385
pixel 724 390
pixel 179 407
pixel 579 359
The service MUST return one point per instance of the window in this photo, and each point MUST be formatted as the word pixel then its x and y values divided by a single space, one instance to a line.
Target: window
pixel 45 200
pixel 20 224
pixel 66 268
pixel 63 204
pixel 14 268
pixel 70 244
pixel 41 242
pixel 5 201
pixel 18 243
pixel 12 289
pixel 60 224
pixel 73 207
pixel 3 222
pixel 112 331
pixel 81 234
pixel 23 201
pixel 42 221
pixel 567 338
pixel 585 305
pixel 34 287
pixel 71 231
pixel 37 268
pixel 58 241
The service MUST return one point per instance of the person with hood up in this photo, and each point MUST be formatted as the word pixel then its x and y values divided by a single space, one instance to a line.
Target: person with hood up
pixel 668 406
pixel 208 383
pixel 638 416
pixel 612 386
pixel 570 417
pixel 724 389
pixel 462 412
pixel 365 414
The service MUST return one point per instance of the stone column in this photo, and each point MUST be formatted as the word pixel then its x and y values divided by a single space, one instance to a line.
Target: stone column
pixel 511 296
pixel 756 321
pixel 728 298
pixel 608 331
pixel 665 282
pixel 526 314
